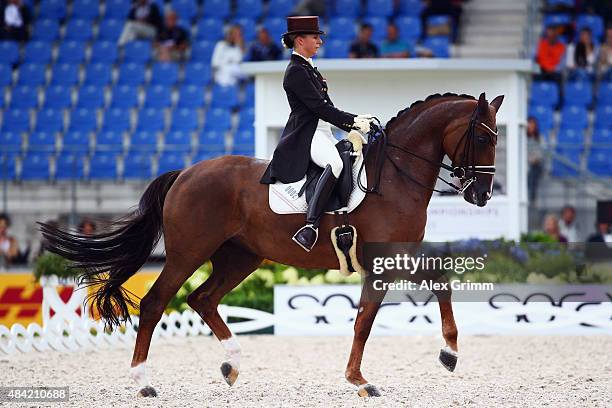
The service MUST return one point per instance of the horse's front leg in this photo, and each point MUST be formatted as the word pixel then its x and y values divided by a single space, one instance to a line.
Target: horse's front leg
pixel 368 307
pixel 449 354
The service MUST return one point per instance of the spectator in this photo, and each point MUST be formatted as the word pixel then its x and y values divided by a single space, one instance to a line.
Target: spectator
pixel 15 20
pixel 567 225
pixel 551 227
pixel 362 47
pixel 550 55
pixel 604 62
pixel 583 54
pixel 264 49
pixel 602 233
pixel 227 56
pixel 451 8
pixel 310 8
pixel 9 249
pixel 534 158
pixel 144 22
pixel 87 227
pixel 393 46
pixel 602 8
pixel 172 40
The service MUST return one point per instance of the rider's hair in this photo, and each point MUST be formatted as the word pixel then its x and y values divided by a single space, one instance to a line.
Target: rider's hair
pixel 288 40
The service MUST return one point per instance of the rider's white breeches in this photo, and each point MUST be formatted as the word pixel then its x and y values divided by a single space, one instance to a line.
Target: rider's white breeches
pixel 323 148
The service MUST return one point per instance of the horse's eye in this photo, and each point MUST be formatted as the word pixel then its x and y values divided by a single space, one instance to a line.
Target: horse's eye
pixel 482 139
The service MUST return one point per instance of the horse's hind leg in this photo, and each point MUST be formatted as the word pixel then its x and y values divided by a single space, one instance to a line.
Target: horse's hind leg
pixel 231 265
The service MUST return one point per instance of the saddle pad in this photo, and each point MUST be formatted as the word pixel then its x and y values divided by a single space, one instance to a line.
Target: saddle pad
pixel 284 198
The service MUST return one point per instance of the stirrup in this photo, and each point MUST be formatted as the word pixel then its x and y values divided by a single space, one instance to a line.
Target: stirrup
pixel 306 246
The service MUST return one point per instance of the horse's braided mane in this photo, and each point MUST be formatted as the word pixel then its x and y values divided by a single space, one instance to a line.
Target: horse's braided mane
pixel 429 98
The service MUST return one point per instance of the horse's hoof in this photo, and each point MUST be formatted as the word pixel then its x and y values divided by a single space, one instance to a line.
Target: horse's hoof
pixel 230 374
pixel 368 390
pixel 147 392
pixel 448 358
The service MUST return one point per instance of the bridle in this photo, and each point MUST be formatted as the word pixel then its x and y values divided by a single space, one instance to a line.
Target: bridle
pixel 466 172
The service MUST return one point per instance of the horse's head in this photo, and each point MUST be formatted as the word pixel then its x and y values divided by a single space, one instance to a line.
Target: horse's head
pixel 470 144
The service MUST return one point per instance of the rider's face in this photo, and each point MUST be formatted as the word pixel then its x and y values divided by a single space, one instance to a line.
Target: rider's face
pixel 309 44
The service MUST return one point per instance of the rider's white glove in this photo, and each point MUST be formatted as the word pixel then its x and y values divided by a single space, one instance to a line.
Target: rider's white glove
pixel 362 123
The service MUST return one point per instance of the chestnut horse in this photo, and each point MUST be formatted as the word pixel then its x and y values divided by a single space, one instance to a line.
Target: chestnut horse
pixel 217 210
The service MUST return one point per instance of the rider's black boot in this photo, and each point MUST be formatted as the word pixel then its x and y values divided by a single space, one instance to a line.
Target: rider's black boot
pixel 306 237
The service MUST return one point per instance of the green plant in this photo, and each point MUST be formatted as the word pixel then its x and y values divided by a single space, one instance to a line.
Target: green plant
pixel 49 264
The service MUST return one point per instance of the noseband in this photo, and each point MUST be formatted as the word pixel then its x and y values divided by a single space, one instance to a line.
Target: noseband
pixel 466 172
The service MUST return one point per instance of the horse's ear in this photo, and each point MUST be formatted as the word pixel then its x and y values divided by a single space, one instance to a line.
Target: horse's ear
pixel 496 103
pixel 483 105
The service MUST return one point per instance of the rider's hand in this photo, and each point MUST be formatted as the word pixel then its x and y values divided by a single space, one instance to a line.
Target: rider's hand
pixel 362 123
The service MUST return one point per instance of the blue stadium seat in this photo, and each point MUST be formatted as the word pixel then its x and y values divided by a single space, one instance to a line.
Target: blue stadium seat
pixel 177 142
pixel 32 75
pixel 244 150
pixel 578 93
pixel 185 120
pixel 70 166
pixel 440 46
pixel 197 73
pixel 117 9
pixel 15 120
pixel 9 52
pixel 337 49
pixel 109 142
pixel 116 120
pixel 41 142
pixel 201 155
pixel 224 97
pixel 35 166
pixel 216 8
pixel 568 3
pixel 57 97
pixel 557 19
pixel 10 142
pixel 249 29
pixel 202 51
pixel 574 117
pixel 245 137
pixel 65 74
pixel 90 97
pixel 98 74
pixel 143 141
pixel 71 52
pixel 218 119
pixel 169 161
pixel 131 74
pixel 409 27
pixel 37 52
pixel 599 161
pixel 210 29
pixel 342 28
pixel 379 8
pixel 7 166
pixel 281 8
pixel 103 166
pixel 410 8
pixel 561 169
pixel 187 10
pixel 570 137
pixel 164 73
pixel 75 142
pixel 603 117
pixel 45 30
pixel 249 95
pixel 137 51
pixel 49 121
pixel 438 20
pixel 104 52
pixel 150 120
pixel 594 22
pixel 124 97
pixel 24 97
pixel 544 93
pixel 604 96
pixel 544 116
pixel 6 74
pixel 137 165
pixel 211 140
pixel 347 8
pixel 110 30
pixel 379 26
pixel 83 120
pixel 276 27
pixel 247 119
pixel 602 136
pixel 158 96
pixel 86 9
pixel 191 96
pixel 78 30
pixel 251 9
pixel 52 9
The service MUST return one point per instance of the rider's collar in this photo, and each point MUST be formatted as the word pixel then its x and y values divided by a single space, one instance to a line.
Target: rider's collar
pixel 309 60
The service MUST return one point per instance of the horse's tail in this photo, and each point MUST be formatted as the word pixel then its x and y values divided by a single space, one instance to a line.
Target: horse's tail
pixel 108 259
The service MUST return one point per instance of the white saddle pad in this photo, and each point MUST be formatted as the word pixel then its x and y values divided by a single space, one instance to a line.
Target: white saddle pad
pixel 284 198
